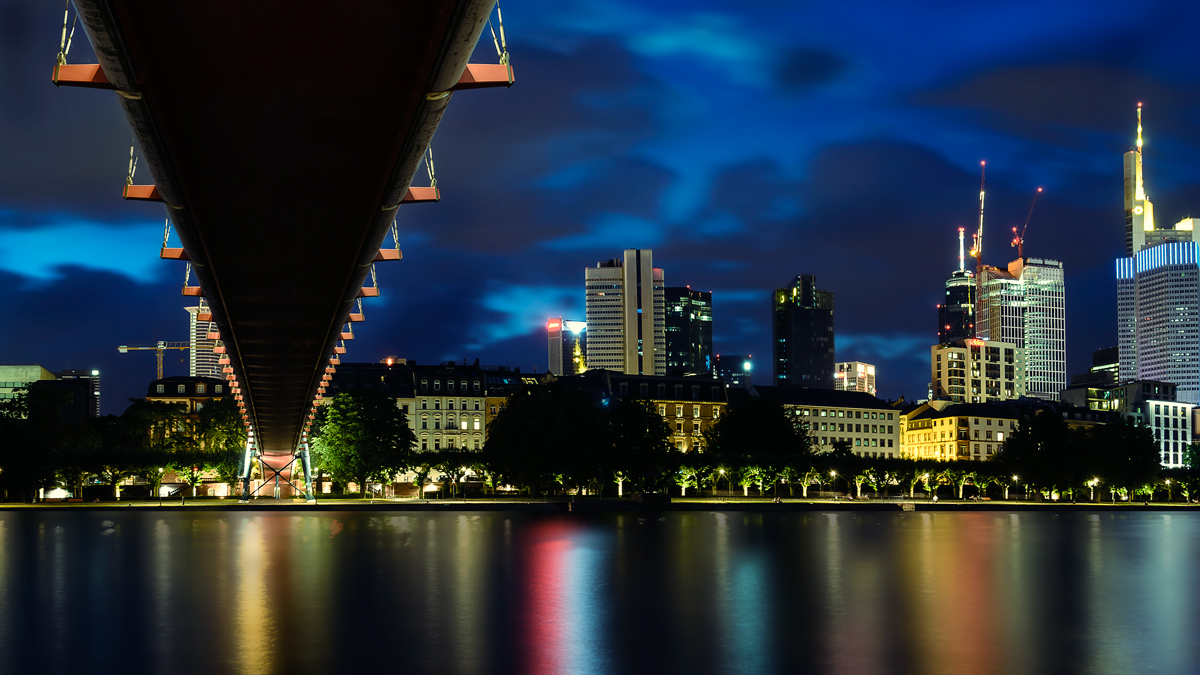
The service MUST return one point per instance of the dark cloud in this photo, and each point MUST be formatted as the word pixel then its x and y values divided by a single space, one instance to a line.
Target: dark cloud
pixel 802 69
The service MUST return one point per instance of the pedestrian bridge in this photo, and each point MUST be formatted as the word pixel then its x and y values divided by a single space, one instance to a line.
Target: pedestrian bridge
pixel 282 140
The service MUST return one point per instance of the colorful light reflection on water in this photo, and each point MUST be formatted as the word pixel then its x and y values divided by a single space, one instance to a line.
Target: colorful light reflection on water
pixel 838 592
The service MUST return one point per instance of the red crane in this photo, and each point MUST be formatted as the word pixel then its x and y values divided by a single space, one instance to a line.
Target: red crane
pixel 1019 240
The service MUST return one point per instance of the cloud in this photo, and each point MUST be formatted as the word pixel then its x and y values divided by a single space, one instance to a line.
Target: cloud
pixel 801 69
pixel 40 252
pixel 614 232
pixel 889 347
pixel 521 310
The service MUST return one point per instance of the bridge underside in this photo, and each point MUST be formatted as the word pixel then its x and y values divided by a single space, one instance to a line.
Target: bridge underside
pixel 282 136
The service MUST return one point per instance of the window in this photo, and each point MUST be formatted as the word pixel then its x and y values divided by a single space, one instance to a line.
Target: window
pixel 477 389
pixel 679 411
pixel 424 446
pixel 989 435
pixel 424 424
pixel 201 388
pixel 424 404
pixel 679 391
pixel 644 389
pixel 841 413
pixel 437 385
pixel 424 384
pixel 437 404
pixel 450 385
pixel 999 435
pixel 476 446
pixel 162 389
pixel 477 424
pixel 218 388
pixel 182 389
pixel 477 404
pixel 695 392
pixel 451 403
pixel 437 444
pixel 624 388
pixel 662 410
pixel 464 385
pixel 695 411
pixel 679 427
pixel 404 408
pixel 822 413
pixel 889 416
pixel 858 428
pixel 716 412
pixel 492 410
pixel 437 424
pixel 662 390
pixel 463 425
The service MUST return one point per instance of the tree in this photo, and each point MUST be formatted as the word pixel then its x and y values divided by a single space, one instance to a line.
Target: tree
pixel 364 436
pixel 640 444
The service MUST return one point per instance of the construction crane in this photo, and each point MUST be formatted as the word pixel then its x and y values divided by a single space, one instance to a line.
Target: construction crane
pixel 158 351
pixel 977 250
pixel 1019 239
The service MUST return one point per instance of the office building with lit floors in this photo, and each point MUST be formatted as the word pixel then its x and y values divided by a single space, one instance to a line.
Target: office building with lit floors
pixel 688 331
pixel 567 346
pixel 977 371
pixel 802 334
pixel 855 376
pixel 1024 304
pixel 626 319
pixel 202 361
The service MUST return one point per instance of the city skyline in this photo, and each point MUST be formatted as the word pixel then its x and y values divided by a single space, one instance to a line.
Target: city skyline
pixel 859 168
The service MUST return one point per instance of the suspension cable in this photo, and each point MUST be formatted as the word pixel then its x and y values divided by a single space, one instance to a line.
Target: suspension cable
pixel 429 168
pixel 166 231
pixel 133 160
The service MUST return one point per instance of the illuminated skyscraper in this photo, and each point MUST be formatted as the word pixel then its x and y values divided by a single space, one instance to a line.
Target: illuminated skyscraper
pixel 803 336
pixel 567 346
pixel 1025 305
pixel 202 362
pixel 626 315
pixel 689 331
pixel 855 376
pixel 1158 292
pixel 956 314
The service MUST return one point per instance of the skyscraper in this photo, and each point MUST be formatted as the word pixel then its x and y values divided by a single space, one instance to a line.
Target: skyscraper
pixel 1025 305
pixel 688 330
pixel 855 376
pixel 956 314
pixel 803 336
pixel 626 315
pixel 1158 292
pixel 567 346
pixel 92 378
pixel 202 362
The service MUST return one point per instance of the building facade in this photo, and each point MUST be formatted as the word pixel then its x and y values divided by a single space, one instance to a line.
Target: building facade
pixel 15 377
pixel 567 346
pixel 626 315
pixel 977 371
pixel 688 331
pixel 449 407
pixel 90 381
pixel 690 405
pixel 192 392
pixel 1025 304
pixel 202 361
pixel 855 376
pixel 966 431
pixel 802 335
pixel 956 314
pixel 868 425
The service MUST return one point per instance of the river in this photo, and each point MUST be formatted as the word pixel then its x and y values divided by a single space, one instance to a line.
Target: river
pixel 85 591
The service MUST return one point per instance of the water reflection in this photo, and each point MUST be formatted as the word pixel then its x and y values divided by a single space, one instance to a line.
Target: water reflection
pixel 841 592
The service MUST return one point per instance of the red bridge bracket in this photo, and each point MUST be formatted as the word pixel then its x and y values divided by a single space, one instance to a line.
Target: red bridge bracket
pixel 485 76
pixel 416 195
pixel 143 193
pixel 388 254
pixel 175 254
pixel 87 75
pixel 193 291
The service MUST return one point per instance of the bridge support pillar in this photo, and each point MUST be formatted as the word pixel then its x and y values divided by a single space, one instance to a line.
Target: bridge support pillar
pixel 308 476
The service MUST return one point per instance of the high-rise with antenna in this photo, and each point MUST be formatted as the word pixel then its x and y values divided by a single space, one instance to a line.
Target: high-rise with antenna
pixel 956 314
pixel 1158 298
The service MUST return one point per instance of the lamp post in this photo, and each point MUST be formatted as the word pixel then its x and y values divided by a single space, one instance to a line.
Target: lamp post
pixel 1168 489
pixel 722 472
pixel 1092 484
pixel 1015 480
pixel 833 482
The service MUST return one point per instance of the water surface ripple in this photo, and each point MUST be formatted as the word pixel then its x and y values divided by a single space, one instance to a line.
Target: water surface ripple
pixel 857 593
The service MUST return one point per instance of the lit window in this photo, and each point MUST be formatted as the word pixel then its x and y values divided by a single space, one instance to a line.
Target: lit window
pixel 182 389
pixel 662 410
pixel 476 424
pixel 218 388
pixel 679 411
pixel 162 389
pixel 200 388
pixel 695 411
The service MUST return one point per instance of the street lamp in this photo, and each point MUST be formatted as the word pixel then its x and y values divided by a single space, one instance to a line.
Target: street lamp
pixel 1092 484
pixel 722 472
pixel 1016 478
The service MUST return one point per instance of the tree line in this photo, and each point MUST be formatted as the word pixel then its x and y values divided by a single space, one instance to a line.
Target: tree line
pixel 39 450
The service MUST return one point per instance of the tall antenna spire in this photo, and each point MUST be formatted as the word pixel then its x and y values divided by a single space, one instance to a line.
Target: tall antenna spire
pixel 977 251
pixel 1139 130
pixel 960 248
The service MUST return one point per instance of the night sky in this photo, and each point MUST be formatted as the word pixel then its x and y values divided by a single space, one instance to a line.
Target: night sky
pixel 745 143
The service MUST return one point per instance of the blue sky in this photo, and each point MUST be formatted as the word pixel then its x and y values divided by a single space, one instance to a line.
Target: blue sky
pixel 746 143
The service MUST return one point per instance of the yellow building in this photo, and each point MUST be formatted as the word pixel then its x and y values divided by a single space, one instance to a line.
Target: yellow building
pixel 947 432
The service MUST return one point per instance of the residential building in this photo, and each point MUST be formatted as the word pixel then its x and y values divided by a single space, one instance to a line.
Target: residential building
pixel 734 369
pixel 855 376
pixel 977 371
pixel 567 346
pixel 690 405
pixel 1025 304
pixel 202 361
pixel 688 331
pixel 948 432
pixel 868 424
pixel 626 315
pixel 1172 425
pixel 803 335
pixel 503 382
pixel 449 406
pixel 192 392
